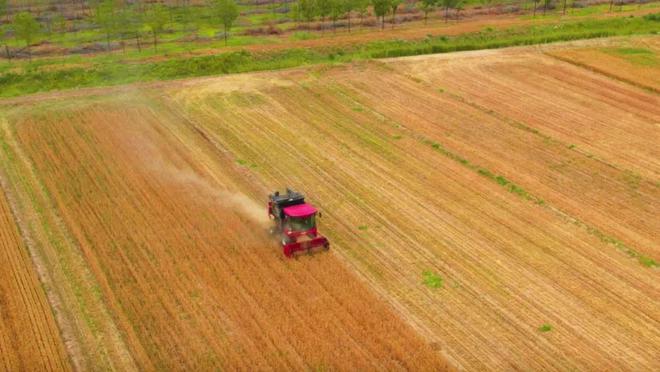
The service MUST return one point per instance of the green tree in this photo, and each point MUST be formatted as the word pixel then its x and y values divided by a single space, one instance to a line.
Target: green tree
pixel 106 18
pixel 227 12
pixel 487 3
pixel 323 9
pixel 394 5
pixel 446 5
pixel 362 9
pixel 427 7
pixel 4 4
pixel 26 28
pixel 59 22
pixel 307 9
pixel 156 19
pixel 189 23
pixel 458 6
pixel 131 26
pixel 134 22
pixel 381 8
pixel 349 7
pixel 546 4
pixel 336 11
pixel 2 37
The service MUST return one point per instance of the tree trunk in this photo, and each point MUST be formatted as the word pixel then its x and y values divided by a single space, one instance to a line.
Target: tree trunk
pixel 393 19
pixel 7 51
pixel 137 39
pixel 564 11
pixel 382 22
pixel 446 13
pixel 107 41
pixel 348 16
pixel 225 35
pixel 426 17
pixel 611 4
pixel 155 42
pixel 534 9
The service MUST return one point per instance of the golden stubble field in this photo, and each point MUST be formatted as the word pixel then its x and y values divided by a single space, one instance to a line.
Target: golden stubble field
pixel 529 184
pixel 29 337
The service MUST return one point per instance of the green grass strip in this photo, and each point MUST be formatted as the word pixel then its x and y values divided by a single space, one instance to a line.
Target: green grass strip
pixel 34 77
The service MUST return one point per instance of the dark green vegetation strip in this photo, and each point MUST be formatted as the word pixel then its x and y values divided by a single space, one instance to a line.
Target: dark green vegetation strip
pixel 499 179
pixel 113 72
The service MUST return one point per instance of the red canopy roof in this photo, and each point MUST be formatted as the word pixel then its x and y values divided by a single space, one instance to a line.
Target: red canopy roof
pixel 299 210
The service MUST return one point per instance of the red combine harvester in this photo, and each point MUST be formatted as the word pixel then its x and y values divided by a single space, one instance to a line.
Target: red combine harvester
pixel 295 222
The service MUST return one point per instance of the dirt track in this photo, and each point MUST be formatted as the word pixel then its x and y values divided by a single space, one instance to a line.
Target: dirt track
pixel 397 154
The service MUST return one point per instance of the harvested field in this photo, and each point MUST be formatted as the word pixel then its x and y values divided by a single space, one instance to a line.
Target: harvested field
pixel 497 210
pixel 29 337
pixel 191 278
pixel 601 116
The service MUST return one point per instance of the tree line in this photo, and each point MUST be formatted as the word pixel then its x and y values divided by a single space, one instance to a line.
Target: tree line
pixel 123 20
pixel 120 20
pixel 333 10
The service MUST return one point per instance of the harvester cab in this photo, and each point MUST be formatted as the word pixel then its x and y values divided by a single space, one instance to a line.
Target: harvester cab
pixel 295 222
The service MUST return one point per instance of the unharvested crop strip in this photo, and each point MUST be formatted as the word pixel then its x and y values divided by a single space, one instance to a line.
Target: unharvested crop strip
pixel 602 72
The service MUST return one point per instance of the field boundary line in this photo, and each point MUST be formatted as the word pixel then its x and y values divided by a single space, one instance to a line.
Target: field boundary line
pixel 603 72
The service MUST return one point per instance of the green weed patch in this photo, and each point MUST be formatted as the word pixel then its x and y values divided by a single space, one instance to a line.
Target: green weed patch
pixel 432 280
pixel 545 328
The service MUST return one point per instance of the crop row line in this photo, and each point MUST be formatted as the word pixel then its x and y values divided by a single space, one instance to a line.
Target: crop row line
pixel 521 192
pixel 545 137
pixel 603 72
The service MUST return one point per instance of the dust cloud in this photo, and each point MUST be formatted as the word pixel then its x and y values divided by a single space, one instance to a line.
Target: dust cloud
pixel 234 200
pixel 151 159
